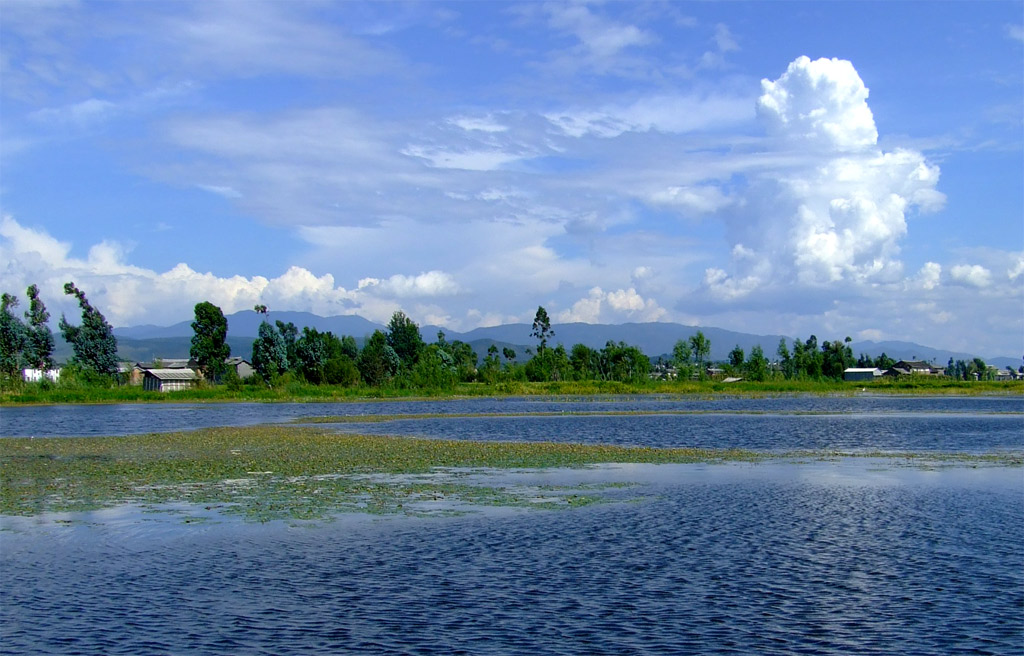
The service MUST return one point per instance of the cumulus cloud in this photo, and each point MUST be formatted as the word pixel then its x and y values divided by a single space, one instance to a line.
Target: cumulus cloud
pixel 821 103
pixel 974 275
pixel 129 294
pixel 835 209
pixel 431 283
pixel 929 275
pixel 612 307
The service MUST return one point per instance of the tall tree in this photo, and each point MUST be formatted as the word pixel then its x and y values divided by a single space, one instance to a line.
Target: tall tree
pixel 701 348
pixel 311 350
pixel 209 343
pixel 681 355
pixel 269 354
pixel 290 334
pixel 38 337
pixel 93 340
pixel 378 363
pixel 542 328
pixel 756 366
pixel 736 357
pixel 12 337
pixel 405 339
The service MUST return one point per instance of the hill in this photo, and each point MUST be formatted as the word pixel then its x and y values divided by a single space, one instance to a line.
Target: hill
pixel 145 343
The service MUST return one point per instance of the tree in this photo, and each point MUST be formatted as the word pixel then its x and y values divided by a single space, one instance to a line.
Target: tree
pixel 624 363
pixel 269 353
pixel 756 367
pixel 836 358
pixel 585 362
pixel 405 339
pixel 289 334
pixel 209 342
pixel 736 357
pixel 38 337
pixel 701 348
pixel 12 337
pixel 92 341
pixel 311 353
pixel 681 355
pixel 378 363
pixel 542 329
pixel 785 360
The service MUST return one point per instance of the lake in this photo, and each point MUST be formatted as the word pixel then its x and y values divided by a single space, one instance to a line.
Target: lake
pixel 836 556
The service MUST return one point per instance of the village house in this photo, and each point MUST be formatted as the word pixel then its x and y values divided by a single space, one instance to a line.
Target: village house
pixel 862 373
pixel 37 375
pixel 168 380
pixel 919 367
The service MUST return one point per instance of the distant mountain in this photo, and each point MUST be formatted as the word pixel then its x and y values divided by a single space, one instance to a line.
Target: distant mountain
pixel 912 351
pixel 145 343
pixel 246 324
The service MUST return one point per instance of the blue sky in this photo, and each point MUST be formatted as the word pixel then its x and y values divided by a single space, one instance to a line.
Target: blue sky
pixel 835 168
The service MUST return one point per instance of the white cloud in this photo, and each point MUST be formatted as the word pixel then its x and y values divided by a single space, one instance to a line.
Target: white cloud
pixel 1016 269
pixel 612 307
pixel 974 275
pixel 473 160
pixel 430 283
pixel 929 275
pixel 671 113
pixel 821 103
pixel 836 211
pixel 478 123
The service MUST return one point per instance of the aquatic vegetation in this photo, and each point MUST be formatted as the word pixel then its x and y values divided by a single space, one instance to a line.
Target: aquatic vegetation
pixel 307 472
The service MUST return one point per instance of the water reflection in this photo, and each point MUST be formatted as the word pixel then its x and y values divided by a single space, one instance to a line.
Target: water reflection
pixel 827 558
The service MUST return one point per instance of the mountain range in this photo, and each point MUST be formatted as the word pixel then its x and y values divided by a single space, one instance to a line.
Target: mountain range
pixel 149 342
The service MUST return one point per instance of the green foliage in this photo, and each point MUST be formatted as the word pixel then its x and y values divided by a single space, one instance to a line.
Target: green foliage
pixel 404 338
pixel 542 329
pixel 550 364
pixel 289 334
pixel 311 352
pixel 12 339
pixel 756 366
pixel 93 340
pixel 38 337
pixel 736 357
pixel 209 341
pixel 435 369
pixel 585 362
pixel 700 346
pixel 342 371
pixel 623 363
pixel 378 363
pixel 681 356
pixel 269 353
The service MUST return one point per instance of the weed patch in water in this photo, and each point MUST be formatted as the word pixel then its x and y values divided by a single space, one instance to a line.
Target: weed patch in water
pixel 304 472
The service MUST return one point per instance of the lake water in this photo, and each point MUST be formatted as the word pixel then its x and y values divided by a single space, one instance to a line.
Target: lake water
pixel 848 556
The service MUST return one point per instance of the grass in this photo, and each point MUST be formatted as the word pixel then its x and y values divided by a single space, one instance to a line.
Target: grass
pixel 271 472
pixel 23 394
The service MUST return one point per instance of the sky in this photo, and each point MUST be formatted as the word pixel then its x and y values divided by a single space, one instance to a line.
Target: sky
pixel 828 168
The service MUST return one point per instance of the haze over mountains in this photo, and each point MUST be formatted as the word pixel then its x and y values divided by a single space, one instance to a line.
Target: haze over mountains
pixel 144 343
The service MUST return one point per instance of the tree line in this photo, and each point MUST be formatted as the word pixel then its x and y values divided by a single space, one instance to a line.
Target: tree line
pixel 399 355
pixel 29 344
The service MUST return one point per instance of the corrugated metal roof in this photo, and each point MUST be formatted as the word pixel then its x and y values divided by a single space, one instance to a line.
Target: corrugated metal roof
pixel 172 374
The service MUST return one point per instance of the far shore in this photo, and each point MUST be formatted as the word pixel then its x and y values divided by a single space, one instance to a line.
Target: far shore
pixel 298 392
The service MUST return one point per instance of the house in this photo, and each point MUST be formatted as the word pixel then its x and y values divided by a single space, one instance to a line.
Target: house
pixel 168 380
pixel 241 366
pixel 919 367
pixel 861 373
pixel 36 375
